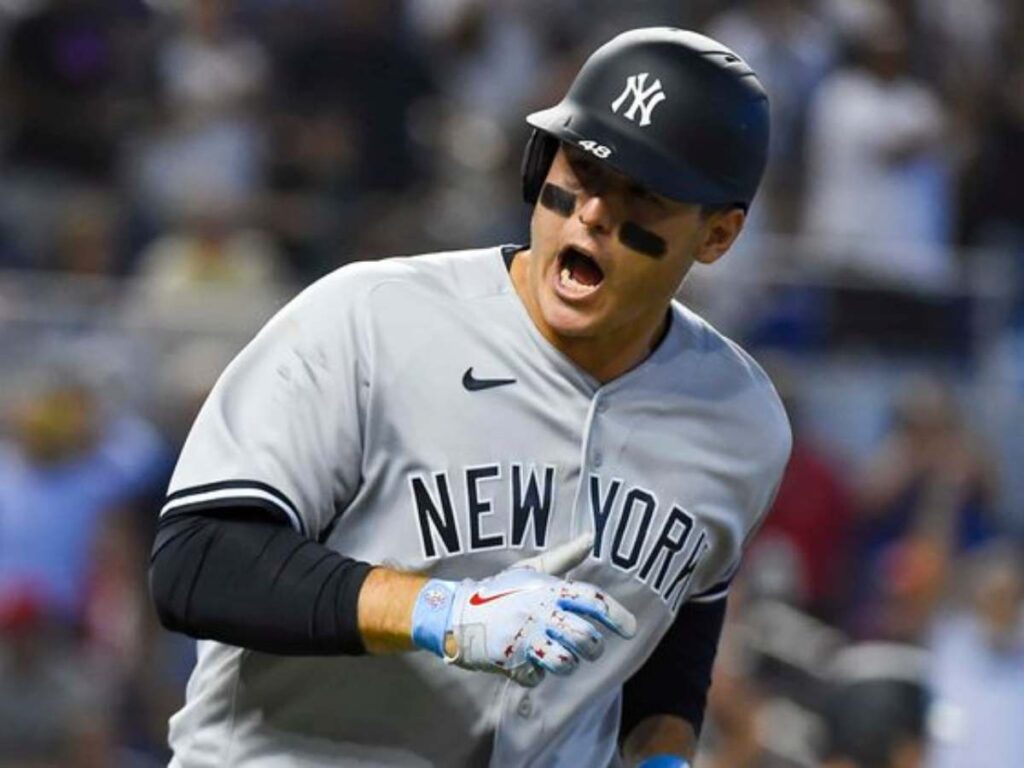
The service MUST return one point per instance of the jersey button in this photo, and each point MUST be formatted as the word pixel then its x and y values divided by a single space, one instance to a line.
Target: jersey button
pixel 602 406
pixel 525 707
pixel 598 459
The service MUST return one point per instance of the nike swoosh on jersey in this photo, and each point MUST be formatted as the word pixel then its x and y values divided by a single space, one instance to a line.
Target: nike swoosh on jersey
pixel 473 384
pixel 477 599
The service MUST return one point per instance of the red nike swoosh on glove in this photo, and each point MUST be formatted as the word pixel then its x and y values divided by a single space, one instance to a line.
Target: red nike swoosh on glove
pixel 478 599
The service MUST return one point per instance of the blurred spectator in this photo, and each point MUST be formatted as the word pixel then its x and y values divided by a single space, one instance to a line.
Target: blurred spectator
pixel 927 493
pixel 875 717
pixel 348 80
pixel 906 587
pixel 69 465
pixel 993 197
pixel 732 737
pixel 85 241
pixel 736 704
pixel 805 540
pixel 187 375
pixel 145 667
pixel 53 710
pixel 963 45
pixel 114 604
pixel 62 123
pixel 211 78
pixel 487 57
pixel 210 68
pixel 358 66
pixel 791 50
pixel 878 194
pixel 977 670
pixel 60 62
pixel 210 266
pixel 312 196
pixel 931 473
pixel 760 706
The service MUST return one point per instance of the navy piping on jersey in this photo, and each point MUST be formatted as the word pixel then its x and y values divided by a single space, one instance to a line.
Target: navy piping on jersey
pixel 233 493
pixel 716 592
pixel 508 253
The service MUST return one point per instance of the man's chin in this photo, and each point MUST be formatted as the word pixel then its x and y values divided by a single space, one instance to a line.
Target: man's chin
pixel 571 323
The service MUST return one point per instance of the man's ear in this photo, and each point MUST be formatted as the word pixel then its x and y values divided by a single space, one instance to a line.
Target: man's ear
pixel 721 228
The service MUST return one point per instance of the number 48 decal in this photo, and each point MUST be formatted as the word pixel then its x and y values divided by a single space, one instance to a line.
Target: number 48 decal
pixel 598 150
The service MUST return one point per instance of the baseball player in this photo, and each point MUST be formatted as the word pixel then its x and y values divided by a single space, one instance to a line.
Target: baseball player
pixel 483 507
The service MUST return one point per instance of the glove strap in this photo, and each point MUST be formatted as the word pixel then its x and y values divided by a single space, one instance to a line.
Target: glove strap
pixel 664 761
pixel 431 613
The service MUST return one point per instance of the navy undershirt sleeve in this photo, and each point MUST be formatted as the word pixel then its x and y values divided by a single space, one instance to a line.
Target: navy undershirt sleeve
pixel 676 678
pixel 243 578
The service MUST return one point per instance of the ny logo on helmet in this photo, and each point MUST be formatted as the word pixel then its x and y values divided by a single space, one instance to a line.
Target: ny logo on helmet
pixel 644 99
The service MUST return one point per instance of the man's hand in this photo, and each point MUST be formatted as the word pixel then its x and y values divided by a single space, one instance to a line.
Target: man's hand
pixel 522 622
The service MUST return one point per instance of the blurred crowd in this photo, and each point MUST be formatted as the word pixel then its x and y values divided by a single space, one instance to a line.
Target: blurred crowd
pixel 173 170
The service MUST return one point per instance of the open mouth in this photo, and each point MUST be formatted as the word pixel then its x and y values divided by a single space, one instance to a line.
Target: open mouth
pixel 577 271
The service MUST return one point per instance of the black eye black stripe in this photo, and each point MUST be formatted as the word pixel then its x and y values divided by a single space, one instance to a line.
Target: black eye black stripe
pixel 644 241
pixel 558 200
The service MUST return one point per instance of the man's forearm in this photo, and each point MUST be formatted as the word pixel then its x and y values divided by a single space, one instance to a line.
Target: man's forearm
pixel 239 577
pixel 386 603
pixel 244 579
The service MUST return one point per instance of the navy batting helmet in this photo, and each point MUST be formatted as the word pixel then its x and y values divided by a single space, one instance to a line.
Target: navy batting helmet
pixel 673 110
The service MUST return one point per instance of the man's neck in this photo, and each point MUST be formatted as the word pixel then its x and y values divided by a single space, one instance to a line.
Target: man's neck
pixel 604 357
pixel 607 360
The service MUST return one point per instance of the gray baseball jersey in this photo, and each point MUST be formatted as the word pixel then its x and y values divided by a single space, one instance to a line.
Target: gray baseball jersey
pixel 409 413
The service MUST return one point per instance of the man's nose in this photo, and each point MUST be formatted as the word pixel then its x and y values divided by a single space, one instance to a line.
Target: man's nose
pixel 595 212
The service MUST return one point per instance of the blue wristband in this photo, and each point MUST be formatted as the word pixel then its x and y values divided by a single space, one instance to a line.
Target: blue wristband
pixel 664 761
pixel 430 615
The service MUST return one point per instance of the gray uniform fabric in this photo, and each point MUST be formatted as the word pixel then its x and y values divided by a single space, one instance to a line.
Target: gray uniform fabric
pixel 354 412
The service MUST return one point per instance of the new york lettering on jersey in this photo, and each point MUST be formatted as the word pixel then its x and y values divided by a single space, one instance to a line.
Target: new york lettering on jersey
pixel 662 547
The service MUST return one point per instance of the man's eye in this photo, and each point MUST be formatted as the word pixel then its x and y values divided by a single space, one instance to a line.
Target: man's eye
pixel 646 196
pixel 587 174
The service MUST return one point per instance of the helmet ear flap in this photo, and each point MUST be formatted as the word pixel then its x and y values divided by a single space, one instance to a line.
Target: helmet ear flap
pixel 537 158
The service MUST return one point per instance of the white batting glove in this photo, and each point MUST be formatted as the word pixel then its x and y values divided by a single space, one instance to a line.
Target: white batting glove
pixel 524 621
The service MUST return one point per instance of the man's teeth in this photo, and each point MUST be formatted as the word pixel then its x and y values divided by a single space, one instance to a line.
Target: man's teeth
pixel 567 279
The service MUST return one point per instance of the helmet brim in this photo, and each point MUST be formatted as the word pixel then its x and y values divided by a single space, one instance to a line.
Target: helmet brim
pixel 630 156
